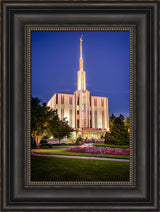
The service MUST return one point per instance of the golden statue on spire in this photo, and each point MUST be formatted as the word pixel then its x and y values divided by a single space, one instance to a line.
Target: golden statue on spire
pixel 81 51
pixel 81 38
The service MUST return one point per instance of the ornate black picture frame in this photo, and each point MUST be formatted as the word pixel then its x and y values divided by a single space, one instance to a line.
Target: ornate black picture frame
pixel 17 192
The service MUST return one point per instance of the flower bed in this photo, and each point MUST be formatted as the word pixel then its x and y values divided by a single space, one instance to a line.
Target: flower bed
pixel 99 150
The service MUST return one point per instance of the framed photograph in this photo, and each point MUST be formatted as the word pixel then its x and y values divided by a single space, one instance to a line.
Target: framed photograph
pixel 79 112
pixel 92 137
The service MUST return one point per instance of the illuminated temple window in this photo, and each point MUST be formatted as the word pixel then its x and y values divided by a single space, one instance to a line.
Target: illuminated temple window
pixel 95 118
pixel 70 100
pixel 70 117
pixel 62 99
pixel 56 98
pixel 95 102
pixel 102 102
pixel 103 124
pixel 62 113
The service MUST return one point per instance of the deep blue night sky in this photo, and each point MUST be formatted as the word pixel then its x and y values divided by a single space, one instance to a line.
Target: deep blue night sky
pixel 55 62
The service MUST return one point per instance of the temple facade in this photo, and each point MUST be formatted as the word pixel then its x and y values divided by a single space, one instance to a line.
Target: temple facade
pixel 87 115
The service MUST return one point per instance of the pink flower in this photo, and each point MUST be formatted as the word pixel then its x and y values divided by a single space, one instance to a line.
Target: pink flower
pixel 99 150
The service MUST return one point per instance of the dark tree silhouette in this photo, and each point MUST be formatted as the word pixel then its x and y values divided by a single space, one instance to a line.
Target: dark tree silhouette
pixel 118 133
pixel 45 122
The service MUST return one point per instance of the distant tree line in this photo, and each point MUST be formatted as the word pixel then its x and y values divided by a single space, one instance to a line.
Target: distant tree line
pixel 45 122
pixel 119 131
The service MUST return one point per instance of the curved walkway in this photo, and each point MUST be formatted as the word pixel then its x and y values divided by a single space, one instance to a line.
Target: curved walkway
pixel 80 157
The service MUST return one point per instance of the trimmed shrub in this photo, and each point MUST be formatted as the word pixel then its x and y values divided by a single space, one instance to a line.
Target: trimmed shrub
pixel 79 140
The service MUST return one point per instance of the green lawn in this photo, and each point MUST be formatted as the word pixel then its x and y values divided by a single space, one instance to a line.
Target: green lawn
pixel 64 152
pixel 73 169
pixel 59 146
pixel 74 145
pixel 112 146
pixel 56 146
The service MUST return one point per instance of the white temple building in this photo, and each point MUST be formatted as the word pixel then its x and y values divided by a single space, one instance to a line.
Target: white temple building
pixel 87 115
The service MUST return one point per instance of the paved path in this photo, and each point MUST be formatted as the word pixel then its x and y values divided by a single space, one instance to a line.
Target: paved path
pixel 81 157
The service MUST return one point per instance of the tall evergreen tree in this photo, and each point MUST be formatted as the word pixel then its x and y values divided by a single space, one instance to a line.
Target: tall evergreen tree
pixel 118 133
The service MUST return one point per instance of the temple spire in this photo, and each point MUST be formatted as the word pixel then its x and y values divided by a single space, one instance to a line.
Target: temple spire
pixel 81 76
pixel 81 59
